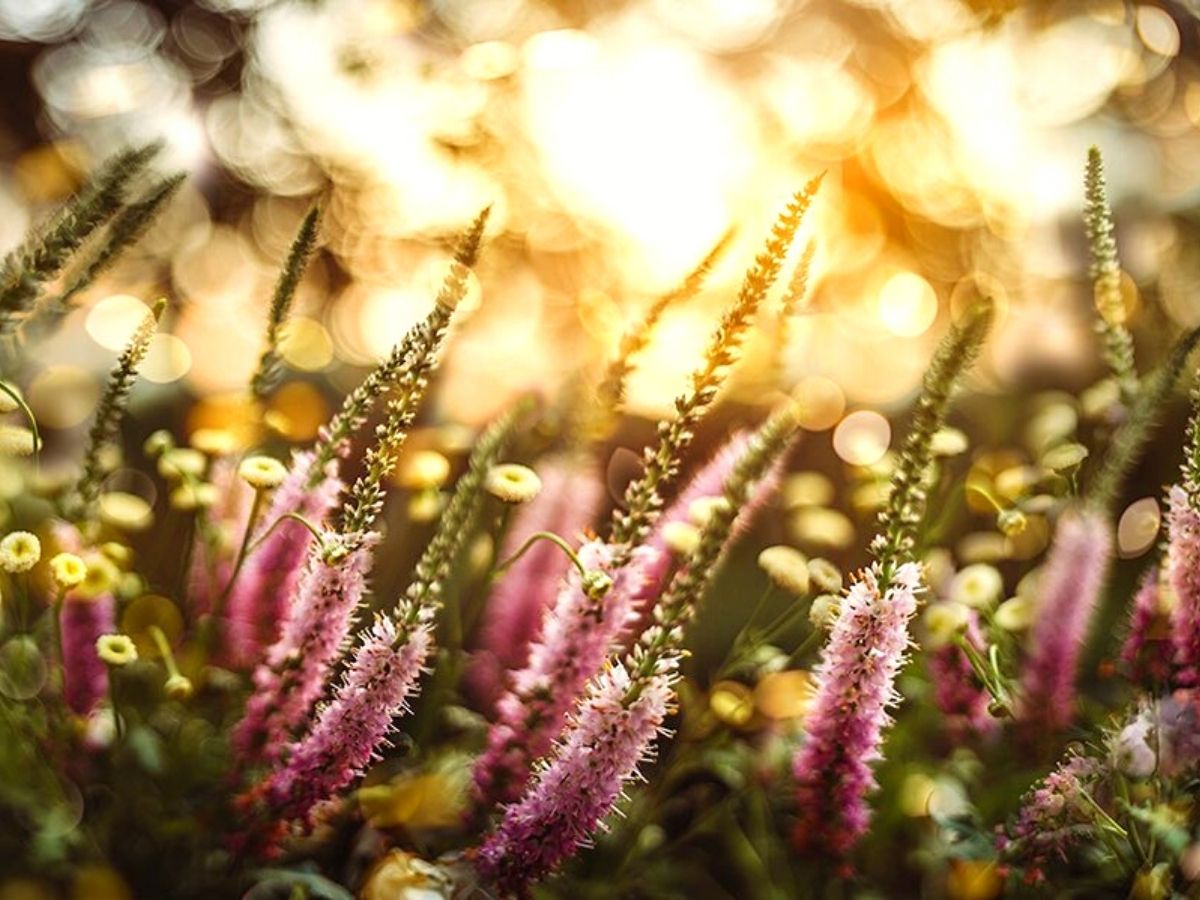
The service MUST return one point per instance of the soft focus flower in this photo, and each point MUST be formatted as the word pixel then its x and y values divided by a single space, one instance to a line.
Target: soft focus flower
pixel 1011 522
pixel 116 649
pixel 19 551
pixel 1069 588
pixel 193 495
pixel 787 568
pixel 1148 649
pixel 825 576
pixel 844 728
pixel 16 440
pixel 1015 614
pixel 128 512
pixel 824 611
pixel 7 402
pixel 701 509
pixel 68 570
pixel 262 472
pixel 101 578
pixel 944 621
pixel 956 688
pixel 1183 574
pixel 513 483
pixel 1133 749
pixel 425 469
pixel 979 586
pixel 179 687
pixel 158 443
pixel 214 441
pixel 85 676
pixel 681 538
pixel 600 752
pixel 177 463
pixel 402 876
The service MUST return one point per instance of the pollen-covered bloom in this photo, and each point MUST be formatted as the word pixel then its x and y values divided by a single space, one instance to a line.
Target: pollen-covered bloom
pixel 1069 590
pixel 258 601
pixel 19 551
pixel 85 676
pixel 294 674
pixel 349 731
pixel 588 617
pixel 1183 574
pixel 855 686
pixel 612 733
pixel 571 495
pixel 1146 653
pixel 1054 816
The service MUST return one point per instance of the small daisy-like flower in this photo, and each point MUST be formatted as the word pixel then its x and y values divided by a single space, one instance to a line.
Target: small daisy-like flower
pixel 179 687
pixel 262 472
pixel 825 576
pixel 116 649
pixel 19 552
pixel 787 568
pixel 978 586
pixel 424 470
pixel 125 511
pixel 1015 614
pixel 681 538
pixel 943 621
pixel 16 440
pixel 512 483
pixel 101 578
pixel 182 462
pixel 824 611
pixel 191 496
pixel 68 570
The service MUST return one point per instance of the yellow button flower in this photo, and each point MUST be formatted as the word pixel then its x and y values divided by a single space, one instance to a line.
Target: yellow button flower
pixel 262 472
pixel 68 570
pixel 512 483
pixel 116 649
pixel 19 552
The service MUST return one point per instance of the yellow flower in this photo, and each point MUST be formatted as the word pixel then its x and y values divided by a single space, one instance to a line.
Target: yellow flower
pixel 102 576
pixel 681 538
pixel 425 506
pixel 261 472
pixel 7 403
pixel 68 570
pixel 16 440
pixel 512 483
pixel 702 509
pixel 824 611
pixel 943 621
pixel 126 511
pixel 399 876
pixel 158 443
pixel 1015 614
pixel 178 463
pixel 179 687
pixel 787 567
pixel 825 575
pixel 425 469
pixel 979 586
pixel 193 495
pixel 214 441
pixel 19 552
pixel 116 649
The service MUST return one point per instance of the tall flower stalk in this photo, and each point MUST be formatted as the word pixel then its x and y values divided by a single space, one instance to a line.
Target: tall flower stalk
pixel 623 710
pixel 866 647
pixel 590 614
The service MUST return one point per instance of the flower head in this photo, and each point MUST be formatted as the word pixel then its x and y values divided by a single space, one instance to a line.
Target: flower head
pixel 513 483
pixel 16 440
pixel 1183 576
pixel 128 512
pixel 262 472
pixel 68 570
pixel 116 649
pixel 19 552
pixel 179 687
pixel 787 568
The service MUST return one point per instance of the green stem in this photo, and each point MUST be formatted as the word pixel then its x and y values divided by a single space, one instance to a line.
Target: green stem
pixel 534 538
pixel 255 509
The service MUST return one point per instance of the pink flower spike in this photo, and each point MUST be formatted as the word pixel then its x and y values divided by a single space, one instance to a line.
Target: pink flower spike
pixel 348 732
pixel 1183 574
pixel 85 676
pixel 1146 653
pixel 297 665
pixel 956 688
pixel 1069 591
pixel 855 686
pixel 257 604
pixel 577 634
pixel 601 751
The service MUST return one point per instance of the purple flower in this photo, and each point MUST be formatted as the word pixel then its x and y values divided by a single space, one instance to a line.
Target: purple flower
pixel 1053 816
pixel 570 498
pixel 349 731
pixel 956 688
pixel 258 601
pixel 1069 590
pixel 1146 652
pixel 844 730
pixel 587 619
pixel 294 674
pixel 612 733
pixel 1183 573
pixel 85 676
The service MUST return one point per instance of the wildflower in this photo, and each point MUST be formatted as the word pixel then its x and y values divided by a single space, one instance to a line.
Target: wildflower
pixel 825 576
pixel 1183 575
pixel 979 586
pixel 116 649
pixel 1015 613
pixel 158 444
pixel 8 402
pixel 680 538
pixel 403 876
pixel 424 470
pixel 844 728
pixel 1053 817
pixel 956 689
pixel 85 676
pixel 177 463
pixel 1133 750
pixel 262 472
pixel 125 511
pixel 19 551
pixel 948 442
pixel 824 610
pixel 1070 589
pixel 16 440
pixel 425 506
pixel 118 553
pixel 786 567
pixel 214 441
pixel 102 577
pixel 702 509
pixel 945 621
pixel 1011 522
pixel 68 570
pixel 1146 652
pixel 191 496
pixel 179 687
pixel 513 483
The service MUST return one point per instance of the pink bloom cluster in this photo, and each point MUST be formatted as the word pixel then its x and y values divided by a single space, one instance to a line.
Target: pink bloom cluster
pixel 569 500
pixel 956 688
pixel 348 732
pixel 297 665
pixel 612 733
pixel 855 686
pixel 577 634
pixel 1146 653
pixel 1054 815
pixel 1070 588
pixel 85 676
pixel 268 580
pixel 1183 574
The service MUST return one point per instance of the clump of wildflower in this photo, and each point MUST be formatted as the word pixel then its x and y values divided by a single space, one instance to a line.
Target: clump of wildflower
pixel 787 568
pixel 68 570
pixel 85 676
pixel 1147 650
pixel 1069 591
pixel 19 551
pixel 116 649
pixel 1053 817
pixel 262 472
pixel 513 483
